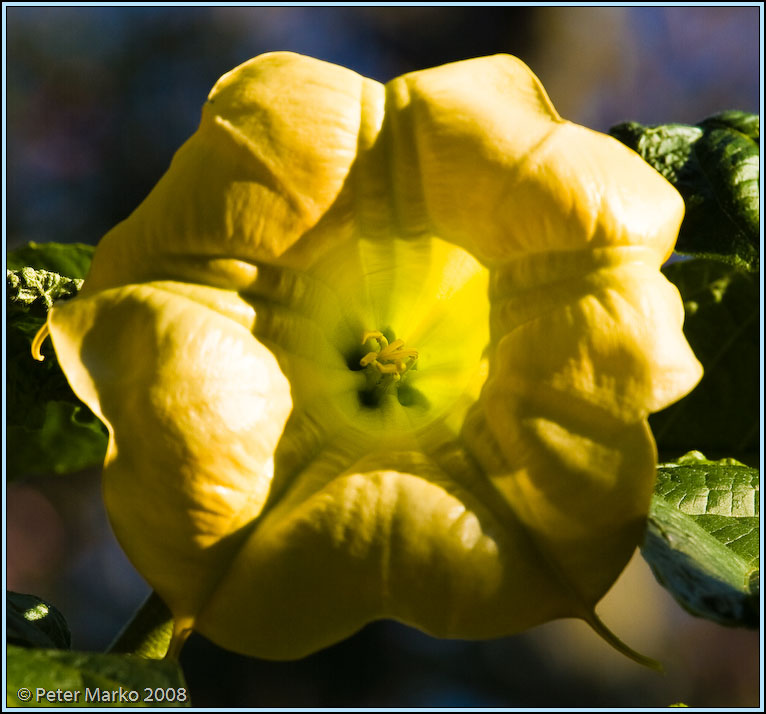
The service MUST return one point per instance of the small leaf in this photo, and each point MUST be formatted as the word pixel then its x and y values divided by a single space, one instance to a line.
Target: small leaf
pixel 55 678
pixel 48 427
pixel 702 541
pixel 32 622
pixel 722 327
pixel 715 166
pixel 28 286
pixel 70 259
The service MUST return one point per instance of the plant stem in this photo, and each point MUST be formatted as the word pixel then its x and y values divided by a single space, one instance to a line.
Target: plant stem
pixel 148 632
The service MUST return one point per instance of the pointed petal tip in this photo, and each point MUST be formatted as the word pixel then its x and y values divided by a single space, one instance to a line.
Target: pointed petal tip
pixel 610 638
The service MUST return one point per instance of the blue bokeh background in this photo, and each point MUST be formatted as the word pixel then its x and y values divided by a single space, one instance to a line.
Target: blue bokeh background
pixel 97 101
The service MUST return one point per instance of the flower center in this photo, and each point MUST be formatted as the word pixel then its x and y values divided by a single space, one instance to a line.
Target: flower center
pixel 386 337
pixel 385 365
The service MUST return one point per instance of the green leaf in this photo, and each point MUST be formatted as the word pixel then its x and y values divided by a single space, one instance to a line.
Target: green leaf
pixel 54 678
pixel 149 632
pixel 67 438
pixel 32 622
pixel 722 327
pixel 702 540
pixel 743 122
pixel 70 259
pixel 49 429
pixel 715 166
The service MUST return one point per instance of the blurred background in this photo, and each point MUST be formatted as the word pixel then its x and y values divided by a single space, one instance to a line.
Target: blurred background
pixel 97 101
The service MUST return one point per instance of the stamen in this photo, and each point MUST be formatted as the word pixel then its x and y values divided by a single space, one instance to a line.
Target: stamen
pixel 375 335
pixel 37 343
pixel 389 360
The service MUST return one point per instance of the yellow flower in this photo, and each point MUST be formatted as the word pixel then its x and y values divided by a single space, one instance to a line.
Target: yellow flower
pixel 382 351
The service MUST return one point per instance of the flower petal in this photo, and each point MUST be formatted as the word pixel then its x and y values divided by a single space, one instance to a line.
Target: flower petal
pixel 485 162
pixel 610 337
pixel 195 408
pixel 350 545
pixel 578 482
pixel 278 137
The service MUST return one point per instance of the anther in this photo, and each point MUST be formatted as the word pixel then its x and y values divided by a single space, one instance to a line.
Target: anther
pixel 37 343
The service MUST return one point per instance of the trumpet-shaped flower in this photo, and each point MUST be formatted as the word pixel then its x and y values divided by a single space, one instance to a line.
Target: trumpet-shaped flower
pixel 382 351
